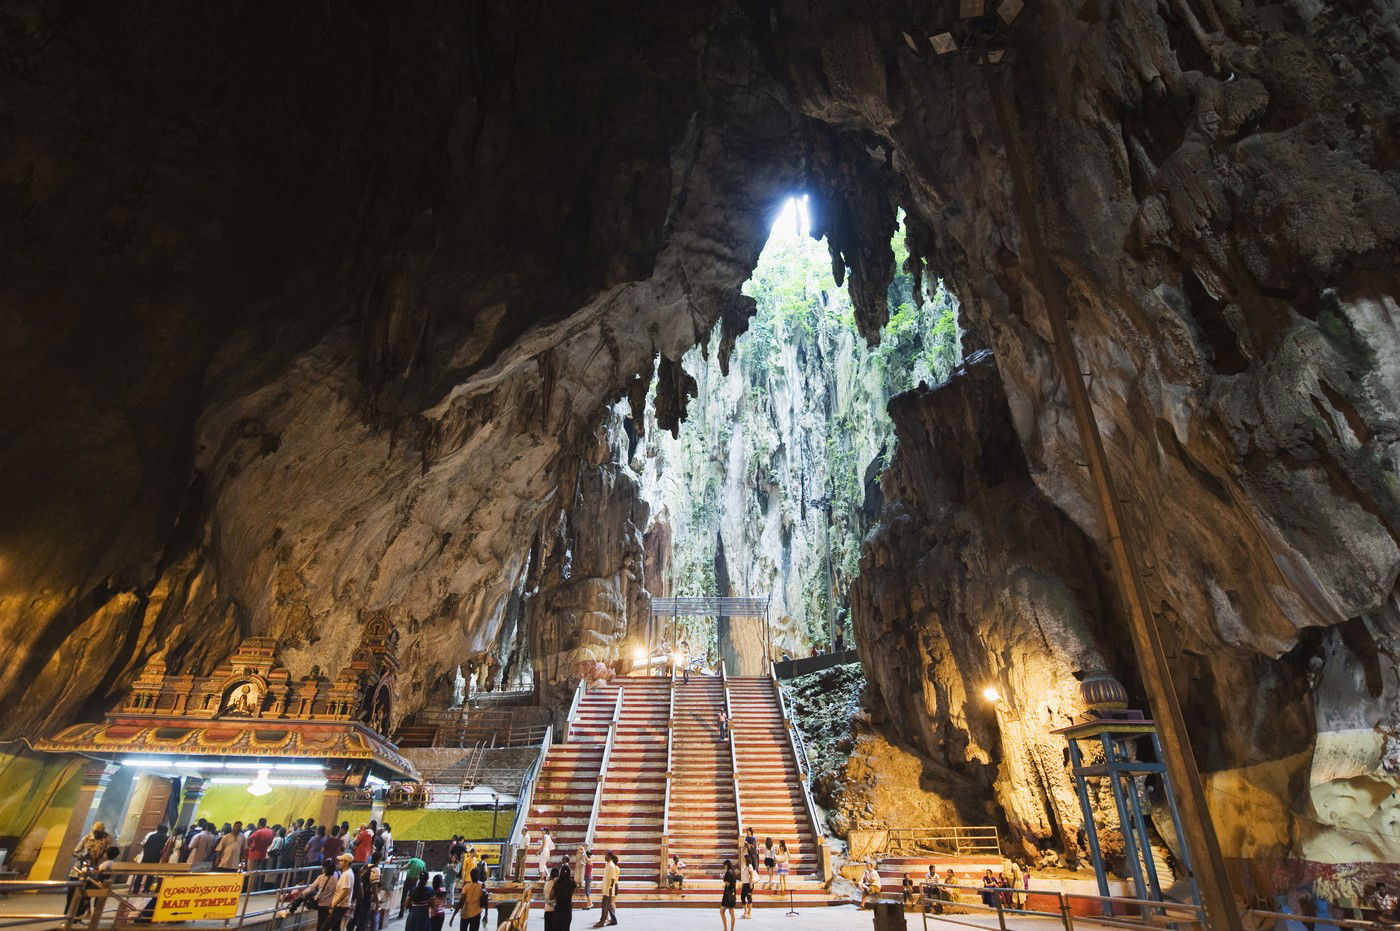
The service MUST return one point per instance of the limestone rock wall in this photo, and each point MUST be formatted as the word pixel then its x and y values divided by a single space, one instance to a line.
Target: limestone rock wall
pixel 310 313
pixel 975 580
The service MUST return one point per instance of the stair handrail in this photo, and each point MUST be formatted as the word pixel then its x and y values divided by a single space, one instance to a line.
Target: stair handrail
pixel 579 691
pixel 733 761
pixel 603 768
pixel 799 755
pixel 524 798
pixel 666 799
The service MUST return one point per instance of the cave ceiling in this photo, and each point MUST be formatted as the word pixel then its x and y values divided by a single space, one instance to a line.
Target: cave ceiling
pixel 315 313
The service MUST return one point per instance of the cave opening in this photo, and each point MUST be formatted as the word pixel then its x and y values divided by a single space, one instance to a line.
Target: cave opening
pixel 772 481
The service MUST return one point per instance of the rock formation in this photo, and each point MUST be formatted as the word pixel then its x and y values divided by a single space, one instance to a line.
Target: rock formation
pixel 314 313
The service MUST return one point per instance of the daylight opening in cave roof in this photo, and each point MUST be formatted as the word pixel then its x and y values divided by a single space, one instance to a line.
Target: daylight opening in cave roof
pixel 437 424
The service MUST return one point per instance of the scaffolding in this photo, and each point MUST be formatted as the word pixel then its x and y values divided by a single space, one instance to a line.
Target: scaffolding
pixel 755 606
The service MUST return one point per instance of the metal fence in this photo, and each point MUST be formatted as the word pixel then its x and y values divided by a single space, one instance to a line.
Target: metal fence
pixel 944 903
pixel 125 895
pixel 956 840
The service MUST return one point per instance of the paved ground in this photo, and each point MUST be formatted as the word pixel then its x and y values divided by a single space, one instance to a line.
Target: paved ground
pixel 837 918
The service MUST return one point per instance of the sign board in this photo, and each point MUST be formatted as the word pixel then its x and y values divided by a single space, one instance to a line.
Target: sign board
pixel 489 853
pixel 201 897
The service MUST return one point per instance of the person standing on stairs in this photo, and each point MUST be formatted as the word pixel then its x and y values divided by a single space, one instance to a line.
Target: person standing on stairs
pixel 685 660
pixel 723 717
pixel 546 851
pixel 727 898
pixel 612 873
pixel 770 863
pixel 584 860
pixel 748 876
pixel 751 850
pixel 784 859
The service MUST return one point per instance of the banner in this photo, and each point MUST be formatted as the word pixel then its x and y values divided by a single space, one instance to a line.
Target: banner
pixel 198 898
pixel 489 853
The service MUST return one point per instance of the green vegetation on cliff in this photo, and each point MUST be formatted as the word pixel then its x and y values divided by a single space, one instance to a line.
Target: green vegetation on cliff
pixel 775 460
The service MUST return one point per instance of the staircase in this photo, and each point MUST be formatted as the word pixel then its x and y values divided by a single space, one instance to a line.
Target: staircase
pixel 704 827
pixel 634 785
pixel 607 785
pixel 770 782
pixel 564 790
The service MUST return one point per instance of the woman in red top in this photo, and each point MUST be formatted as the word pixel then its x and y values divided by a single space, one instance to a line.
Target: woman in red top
pixel 364 840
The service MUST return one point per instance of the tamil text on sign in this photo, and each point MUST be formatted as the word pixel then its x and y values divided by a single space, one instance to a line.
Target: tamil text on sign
pixel 196 898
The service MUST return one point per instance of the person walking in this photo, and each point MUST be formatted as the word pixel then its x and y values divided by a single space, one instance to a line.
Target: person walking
pixel 584 859
pixel 564 887
pixel 473 902
pixel 751 849
pixel 747 877
pixel 363 843
pixel 612 874
pixel 770 864
pixel 414 870
pixel 727 897
pixel 546 851
pixel 151 850
pixel 437 908
pixel 723 717
pixel 420 902
pixel 784 861
pixel 685 661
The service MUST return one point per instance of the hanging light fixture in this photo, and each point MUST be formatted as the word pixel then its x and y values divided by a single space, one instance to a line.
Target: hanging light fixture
pixel 260 785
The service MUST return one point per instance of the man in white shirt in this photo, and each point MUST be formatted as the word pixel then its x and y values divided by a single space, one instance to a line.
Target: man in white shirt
pixel 388 841
pixel 344 898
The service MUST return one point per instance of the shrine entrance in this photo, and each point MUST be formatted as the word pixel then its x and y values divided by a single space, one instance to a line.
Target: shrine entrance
pixel 741 639
pixel 246 742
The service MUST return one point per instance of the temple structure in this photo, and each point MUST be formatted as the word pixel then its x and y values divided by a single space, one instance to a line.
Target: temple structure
pixel 249 723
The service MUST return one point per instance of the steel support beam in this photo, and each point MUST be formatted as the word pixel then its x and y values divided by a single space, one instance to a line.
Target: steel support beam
pixel 1199 831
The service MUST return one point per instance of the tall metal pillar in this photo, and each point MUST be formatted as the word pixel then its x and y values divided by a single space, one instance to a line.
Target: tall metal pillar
pixel 1213 881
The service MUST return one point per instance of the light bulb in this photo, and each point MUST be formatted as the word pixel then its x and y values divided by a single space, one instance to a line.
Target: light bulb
pixel 991 694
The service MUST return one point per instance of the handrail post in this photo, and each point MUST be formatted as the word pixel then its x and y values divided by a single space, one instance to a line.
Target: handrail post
pixel 1001 915
pixel 1066 915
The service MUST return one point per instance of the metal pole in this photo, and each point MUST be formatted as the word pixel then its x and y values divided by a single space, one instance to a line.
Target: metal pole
pixel 1147 645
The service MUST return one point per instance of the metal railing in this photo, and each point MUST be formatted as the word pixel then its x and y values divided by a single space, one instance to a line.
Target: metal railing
pixel 468 727
pixel 955 840
pixel 1150 914
pixel 733 761
pixel 524 799
pixel 666 798
pixel 132 888
pixel 603 768
pixel 579 691
pixel 799 755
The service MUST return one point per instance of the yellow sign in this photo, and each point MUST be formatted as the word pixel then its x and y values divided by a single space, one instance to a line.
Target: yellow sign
pixel 489 853
pixel 198 898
